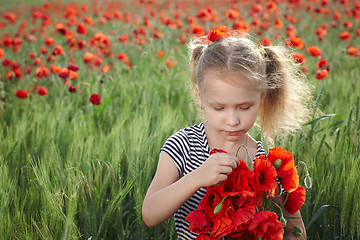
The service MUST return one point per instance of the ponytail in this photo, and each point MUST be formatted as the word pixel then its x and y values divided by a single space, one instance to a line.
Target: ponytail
pixel 194 59
pixel 285 106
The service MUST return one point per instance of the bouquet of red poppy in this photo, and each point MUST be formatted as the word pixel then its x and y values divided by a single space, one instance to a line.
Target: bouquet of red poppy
pixel 236 207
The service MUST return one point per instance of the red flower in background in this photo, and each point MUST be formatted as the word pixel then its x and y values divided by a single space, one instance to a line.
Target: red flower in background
pixel 21 93
pixel 299 58
pixel 321 74
pixel 72 89
pixel 42 91
pixel 95 99
pixel 265 42
pixel 345 36
pixel 314 51
pixel 218 33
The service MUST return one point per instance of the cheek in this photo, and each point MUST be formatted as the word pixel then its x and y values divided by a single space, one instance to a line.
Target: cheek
pixel 213 116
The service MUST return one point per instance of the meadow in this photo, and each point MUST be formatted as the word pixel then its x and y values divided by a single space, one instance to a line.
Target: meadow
pixel 74 165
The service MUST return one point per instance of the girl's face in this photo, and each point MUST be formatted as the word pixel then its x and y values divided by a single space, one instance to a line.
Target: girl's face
pixel 230 104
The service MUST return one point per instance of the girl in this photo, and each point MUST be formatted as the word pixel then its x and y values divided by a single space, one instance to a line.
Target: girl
pixel 234 82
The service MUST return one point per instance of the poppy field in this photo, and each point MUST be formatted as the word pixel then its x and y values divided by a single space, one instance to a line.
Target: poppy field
pixel 91 90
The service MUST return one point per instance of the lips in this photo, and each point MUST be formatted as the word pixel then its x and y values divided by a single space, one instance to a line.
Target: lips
pixel 232 133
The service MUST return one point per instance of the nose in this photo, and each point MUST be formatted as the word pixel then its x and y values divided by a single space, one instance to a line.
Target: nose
pixel 232 119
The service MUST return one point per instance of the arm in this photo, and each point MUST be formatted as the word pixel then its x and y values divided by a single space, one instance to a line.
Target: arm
pixel 290 225
pixel 167 192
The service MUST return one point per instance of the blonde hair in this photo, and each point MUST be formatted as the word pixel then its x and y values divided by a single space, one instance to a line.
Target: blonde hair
pixel 270 69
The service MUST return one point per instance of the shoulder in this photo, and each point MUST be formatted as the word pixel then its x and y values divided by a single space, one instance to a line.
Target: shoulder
pixel 183 144
pixel 188 133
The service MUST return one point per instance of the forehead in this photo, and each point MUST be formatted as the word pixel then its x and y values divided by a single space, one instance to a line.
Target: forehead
pixel 228 88
pixel 233 78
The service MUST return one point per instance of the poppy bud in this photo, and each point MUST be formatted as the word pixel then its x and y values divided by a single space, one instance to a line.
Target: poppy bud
pixel 298 231
pixel 218 208
pixel 277 164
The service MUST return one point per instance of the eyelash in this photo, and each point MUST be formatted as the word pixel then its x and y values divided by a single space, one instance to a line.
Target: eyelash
pixel 219 109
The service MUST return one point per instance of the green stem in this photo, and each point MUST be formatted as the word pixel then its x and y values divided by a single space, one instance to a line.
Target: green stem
pixel 249 161
pixel 307 179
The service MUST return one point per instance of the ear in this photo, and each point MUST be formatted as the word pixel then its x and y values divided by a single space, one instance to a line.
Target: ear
pixel 198 95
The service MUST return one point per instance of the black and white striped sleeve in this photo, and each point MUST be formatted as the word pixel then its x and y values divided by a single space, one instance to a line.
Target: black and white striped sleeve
pixel 177 146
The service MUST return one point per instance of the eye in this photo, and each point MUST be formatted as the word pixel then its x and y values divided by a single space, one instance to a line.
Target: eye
pixel 219 109
pixel 245 108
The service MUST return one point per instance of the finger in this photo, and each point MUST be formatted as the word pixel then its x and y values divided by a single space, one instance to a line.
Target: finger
pixel 230 161
pixel 233 157
pixel 225 170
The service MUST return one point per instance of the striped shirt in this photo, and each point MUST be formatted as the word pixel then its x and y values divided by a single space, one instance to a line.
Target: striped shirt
pixel 189 148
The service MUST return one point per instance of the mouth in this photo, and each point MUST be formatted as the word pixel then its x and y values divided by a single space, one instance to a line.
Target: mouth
pixel 232 133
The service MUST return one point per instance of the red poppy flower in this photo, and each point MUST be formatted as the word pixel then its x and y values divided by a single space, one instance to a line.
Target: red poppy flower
pixel 72 89
pixel 348 24
pixel 264 174
pixel 95 99
pixel 214 196
pixel 286 172
pixel 322 64
pixel 221 227
pixel 265 42
pixel 105 68
pixel 243 216
pixel 345 36
pixel 6 62
pixel 88 57
pixel 64 73
pixel 353 51
pixel 169 63
pixel 265 224
pixel 295 200
pixel 58 50
pixel 215 150
pixel 314 51
pixel 218 33
pixel 196 29
pixel 73 67
pixel 199 223
pixel 73 75
pixel 81 29
pixel 232 14
pixel 49 41
pixel 299 58
pixel 42 91
pixel 278 23
pixel 297 42
pixel 321 74
pixel 21 93
pixel 203 236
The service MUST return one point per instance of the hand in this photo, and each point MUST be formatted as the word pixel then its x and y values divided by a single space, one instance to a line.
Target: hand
pixel 215 169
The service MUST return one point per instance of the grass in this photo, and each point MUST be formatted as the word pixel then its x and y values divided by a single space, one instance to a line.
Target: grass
pixel 70 170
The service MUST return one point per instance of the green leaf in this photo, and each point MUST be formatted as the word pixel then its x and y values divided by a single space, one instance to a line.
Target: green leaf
pixel 326 116
pixel 317 214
